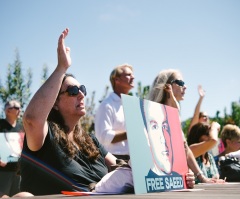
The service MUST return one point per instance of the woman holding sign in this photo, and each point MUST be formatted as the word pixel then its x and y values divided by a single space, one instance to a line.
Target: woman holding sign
pixel 169 88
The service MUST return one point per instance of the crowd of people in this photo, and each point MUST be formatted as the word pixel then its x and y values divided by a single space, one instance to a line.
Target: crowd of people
pixel 57 151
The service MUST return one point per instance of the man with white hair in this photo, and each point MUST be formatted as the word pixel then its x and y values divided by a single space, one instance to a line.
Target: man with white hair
pixel 9 178
pixel 109 120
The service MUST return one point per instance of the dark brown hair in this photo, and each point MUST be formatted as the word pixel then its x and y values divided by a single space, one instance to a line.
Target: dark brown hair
pixel 196 132
pixel 82 139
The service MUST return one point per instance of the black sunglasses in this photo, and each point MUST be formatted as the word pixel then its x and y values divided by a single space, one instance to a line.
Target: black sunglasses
pixel 14 107
pixel 178 82
pixel 74 90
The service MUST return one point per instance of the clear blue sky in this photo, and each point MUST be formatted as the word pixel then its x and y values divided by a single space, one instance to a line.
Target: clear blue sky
pixel 199 37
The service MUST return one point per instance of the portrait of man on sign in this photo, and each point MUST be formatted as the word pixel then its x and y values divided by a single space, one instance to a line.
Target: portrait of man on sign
pixel 155 137
pixel 158 133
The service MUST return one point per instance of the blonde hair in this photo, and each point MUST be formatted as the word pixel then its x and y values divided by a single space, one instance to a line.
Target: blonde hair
pixel 230 132
pixel 117 71
pixel 157 93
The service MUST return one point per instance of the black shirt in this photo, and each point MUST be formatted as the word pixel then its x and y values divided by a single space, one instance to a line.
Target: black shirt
pixel 50 171
pixel 6 127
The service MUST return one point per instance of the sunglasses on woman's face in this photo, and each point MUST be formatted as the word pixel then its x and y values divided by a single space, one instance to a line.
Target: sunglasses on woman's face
pixel 74 90
pixel 178 82
pixel 204 116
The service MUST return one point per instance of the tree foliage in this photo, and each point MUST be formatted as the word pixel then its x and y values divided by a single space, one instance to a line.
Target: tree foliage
pixel 17 86
pixel 232 118
pixel 142 92
pixel 236 113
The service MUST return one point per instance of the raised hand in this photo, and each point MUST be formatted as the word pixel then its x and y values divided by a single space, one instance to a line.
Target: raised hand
pixel 64 59
pixel 201 91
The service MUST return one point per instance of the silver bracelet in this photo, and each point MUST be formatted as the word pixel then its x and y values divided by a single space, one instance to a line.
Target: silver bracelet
pixel 199 174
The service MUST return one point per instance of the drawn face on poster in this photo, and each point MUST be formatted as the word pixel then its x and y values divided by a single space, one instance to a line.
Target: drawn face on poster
pixel 159 136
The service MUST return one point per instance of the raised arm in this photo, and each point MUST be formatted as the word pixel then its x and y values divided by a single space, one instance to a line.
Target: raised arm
pixel 202 147
pixel 197 108
pixel 35 116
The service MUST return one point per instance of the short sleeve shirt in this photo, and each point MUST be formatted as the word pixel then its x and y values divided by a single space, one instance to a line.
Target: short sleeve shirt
pixel 49 170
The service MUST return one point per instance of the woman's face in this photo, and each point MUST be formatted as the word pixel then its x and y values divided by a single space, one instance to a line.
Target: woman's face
pixel 155 119
pixel 178 91
pixel 204 117
pixel 70 105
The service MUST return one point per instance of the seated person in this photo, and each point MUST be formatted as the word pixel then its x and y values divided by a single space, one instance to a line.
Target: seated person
pixel 201 138
pixel 202 116
pixel 169 88
pixel 11 131
pixel 57 154
pixel 230 136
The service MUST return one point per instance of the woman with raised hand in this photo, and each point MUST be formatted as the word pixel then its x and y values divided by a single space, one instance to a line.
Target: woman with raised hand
pixel 201 139
pixel 57 154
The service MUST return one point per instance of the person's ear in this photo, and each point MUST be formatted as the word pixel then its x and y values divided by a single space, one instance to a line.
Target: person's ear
pixel 228 142
pixel 117 79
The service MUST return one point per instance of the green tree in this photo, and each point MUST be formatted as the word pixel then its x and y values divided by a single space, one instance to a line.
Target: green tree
pixel 185 126
pixel 17 86
pixel 232 118
pixel 104 94
pixel 142 92
pixel 87 121
pixel 236 113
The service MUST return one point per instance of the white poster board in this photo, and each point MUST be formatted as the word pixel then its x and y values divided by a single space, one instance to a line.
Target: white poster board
pixel 155 139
